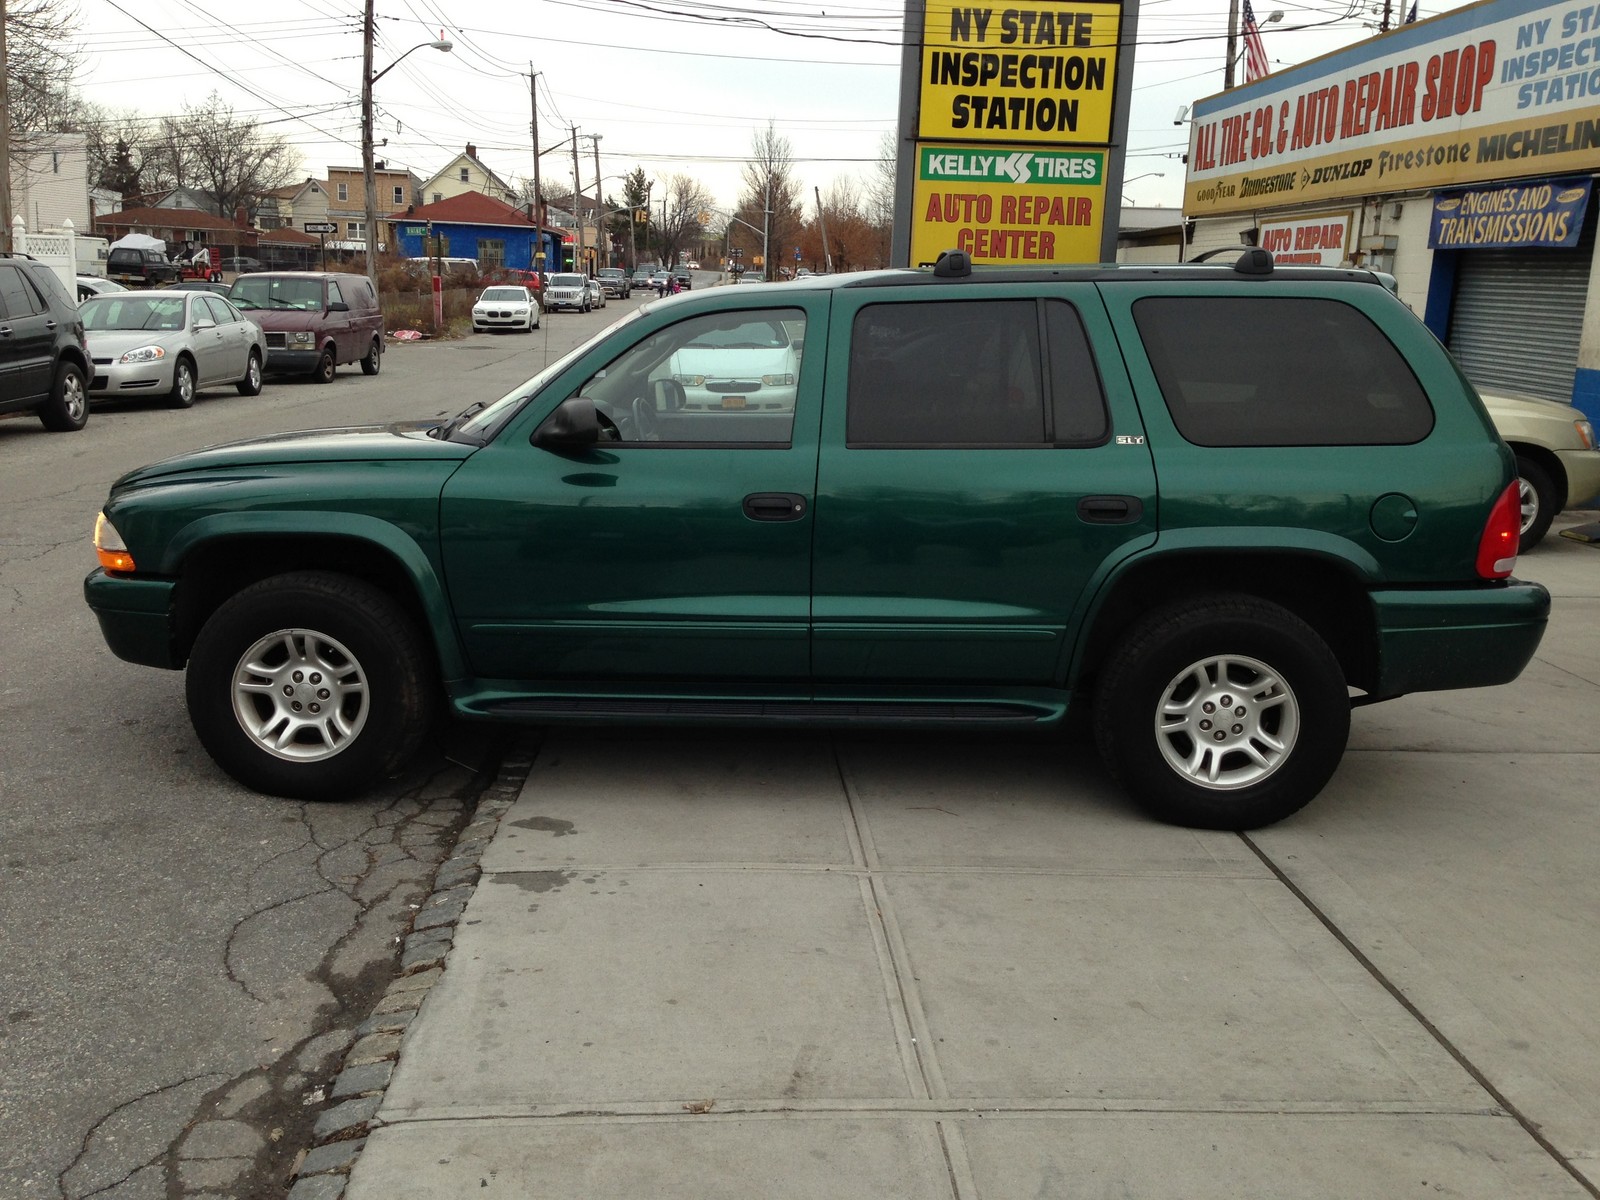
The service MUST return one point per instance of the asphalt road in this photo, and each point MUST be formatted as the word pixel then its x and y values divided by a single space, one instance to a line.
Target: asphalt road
pixel 181 960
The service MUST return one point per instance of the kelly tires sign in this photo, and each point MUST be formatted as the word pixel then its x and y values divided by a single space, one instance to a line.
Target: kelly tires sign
pixel 1014 207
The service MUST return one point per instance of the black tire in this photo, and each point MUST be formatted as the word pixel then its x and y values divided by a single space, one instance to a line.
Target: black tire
pixel 250 385
pixel 245 691
pixel 67 410
pixel 326 368
pixel 1263 668
pixel 183 385
pixel 1536 492
pixel 373 362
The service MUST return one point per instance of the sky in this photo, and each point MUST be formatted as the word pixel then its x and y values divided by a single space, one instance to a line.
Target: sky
pixel 673 86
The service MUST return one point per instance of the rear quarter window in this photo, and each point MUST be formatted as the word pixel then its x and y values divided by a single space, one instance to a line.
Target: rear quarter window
pixel 1280 371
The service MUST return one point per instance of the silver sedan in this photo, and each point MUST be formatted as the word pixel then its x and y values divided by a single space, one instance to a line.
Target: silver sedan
pixel 171 343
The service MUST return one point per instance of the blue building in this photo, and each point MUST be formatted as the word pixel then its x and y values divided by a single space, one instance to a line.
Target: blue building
pixel 473 225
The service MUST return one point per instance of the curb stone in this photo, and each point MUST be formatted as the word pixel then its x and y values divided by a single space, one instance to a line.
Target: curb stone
pixel 359 1085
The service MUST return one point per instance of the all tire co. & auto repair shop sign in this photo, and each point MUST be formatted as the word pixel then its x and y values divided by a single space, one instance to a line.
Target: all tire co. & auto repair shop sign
pixel 1494 91
pixel 1013 115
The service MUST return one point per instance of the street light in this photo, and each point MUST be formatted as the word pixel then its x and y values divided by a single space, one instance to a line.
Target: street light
pixel 1146 175
pixel 367 80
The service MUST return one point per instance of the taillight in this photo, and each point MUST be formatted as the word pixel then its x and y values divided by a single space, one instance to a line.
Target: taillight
pixel 1497 548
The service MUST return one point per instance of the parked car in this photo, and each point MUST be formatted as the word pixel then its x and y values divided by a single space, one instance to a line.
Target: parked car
pixel 567 289
pixel 1558 465
pixel 141 268
pixel 504 306
pixel 241 266
pixel 173 343
pixel 94 285
pixel 615 281
pixel 988 505
pixel 314 320
pixel 597 293
pixel 751 363
pixel 44 356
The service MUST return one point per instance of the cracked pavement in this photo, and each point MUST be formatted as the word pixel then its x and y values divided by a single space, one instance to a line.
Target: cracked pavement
pixel 182 962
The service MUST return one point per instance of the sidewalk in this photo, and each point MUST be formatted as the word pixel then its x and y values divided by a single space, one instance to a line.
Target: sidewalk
pixel 729 965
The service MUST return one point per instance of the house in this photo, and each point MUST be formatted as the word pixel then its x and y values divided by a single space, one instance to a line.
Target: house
pixel 50 181
pixel 473 225
pixel 181 228
pixel 290 207
pixel 465 173
pixel 347 200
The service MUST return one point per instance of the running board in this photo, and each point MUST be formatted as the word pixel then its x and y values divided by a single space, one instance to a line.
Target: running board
pixel 813 712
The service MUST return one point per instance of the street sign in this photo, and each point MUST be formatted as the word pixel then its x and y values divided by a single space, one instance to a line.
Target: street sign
pixel 321 227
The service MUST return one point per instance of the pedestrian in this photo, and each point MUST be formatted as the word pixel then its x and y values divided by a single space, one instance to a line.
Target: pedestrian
pixel 674 285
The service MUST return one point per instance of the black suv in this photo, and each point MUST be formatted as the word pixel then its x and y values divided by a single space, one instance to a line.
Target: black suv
pixel 44 357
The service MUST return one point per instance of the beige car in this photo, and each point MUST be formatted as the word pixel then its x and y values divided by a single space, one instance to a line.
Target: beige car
pixel 1558 465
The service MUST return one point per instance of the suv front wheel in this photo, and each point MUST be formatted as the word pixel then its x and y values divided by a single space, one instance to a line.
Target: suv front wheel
pixel 68 407
pixel 310 685
pixel 1222 712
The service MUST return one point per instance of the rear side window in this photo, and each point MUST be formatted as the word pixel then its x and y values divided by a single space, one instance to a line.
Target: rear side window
pixel 1258 371
pixel 972 373
pixel 20 300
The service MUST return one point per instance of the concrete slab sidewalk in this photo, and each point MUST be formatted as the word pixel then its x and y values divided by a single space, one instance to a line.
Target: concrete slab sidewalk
pixel 703 965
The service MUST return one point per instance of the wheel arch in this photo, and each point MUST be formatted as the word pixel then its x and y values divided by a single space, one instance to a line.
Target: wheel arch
pixel 217 557
pixel 1324 590
pixel 1550 461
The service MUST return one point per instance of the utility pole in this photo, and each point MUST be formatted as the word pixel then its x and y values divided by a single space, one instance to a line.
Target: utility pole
pixel 370 185
pixel 602 243
pixel 538 196
pixel 577 202
pixel 5 136
pixel 822 223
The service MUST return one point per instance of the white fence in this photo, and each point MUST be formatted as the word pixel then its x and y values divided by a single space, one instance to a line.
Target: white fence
pixel 57 250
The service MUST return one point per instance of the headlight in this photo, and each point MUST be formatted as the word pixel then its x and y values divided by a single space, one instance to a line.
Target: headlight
pixel 690 380
pixel 143 354
pixel 109 547
pixel 303 336
pixel 777 380
pixel 1585 433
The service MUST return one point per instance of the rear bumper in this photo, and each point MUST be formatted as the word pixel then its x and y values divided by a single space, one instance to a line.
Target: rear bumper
pixel 1432 641
pixel 135 617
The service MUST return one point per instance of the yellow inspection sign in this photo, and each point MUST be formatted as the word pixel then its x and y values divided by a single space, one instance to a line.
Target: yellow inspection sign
pixel 1030 72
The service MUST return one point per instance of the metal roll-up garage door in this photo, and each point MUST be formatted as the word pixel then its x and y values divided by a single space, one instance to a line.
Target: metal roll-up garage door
pixel 1518 315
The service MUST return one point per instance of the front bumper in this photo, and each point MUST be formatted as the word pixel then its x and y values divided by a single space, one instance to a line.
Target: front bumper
pixel 135 617
pixel 1432 641
pixel 291 361
pixel 130 379
pixel 1583 476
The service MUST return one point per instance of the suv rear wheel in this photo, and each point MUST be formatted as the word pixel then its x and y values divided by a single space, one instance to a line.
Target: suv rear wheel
pixel 1222 712
pixel 310 685
pixel 68 407
pixel 373 362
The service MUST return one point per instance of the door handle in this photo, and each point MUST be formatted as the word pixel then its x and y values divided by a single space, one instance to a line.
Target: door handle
pixel 775 506
pixel 5 331
pixel 1110 510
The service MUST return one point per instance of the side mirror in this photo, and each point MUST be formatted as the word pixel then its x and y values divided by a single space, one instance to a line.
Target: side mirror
pixel 338 306
pixel 204 323
pixel 573 424
pixel 669 396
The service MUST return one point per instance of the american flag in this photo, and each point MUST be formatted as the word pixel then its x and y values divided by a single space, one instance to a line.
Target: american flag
pixel 1255 54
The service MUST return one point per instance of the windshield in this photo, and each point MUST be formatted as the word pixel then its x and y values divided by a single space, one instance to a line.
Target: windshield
pixel 132 311
pixel 277 291
pixel 610 272
pixel 576 281
pixel 504 293
pixel 483 425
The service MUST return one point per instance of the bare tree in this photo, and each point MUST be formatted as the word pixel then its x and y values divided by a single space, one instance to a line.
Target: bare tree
pixel 771 199
pixel 40 62
pixel 230 158
pixel 688 211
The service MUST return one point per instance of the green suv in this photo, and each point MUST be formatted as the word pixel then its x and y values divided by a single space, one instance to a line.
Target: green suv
pixel 1214 506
